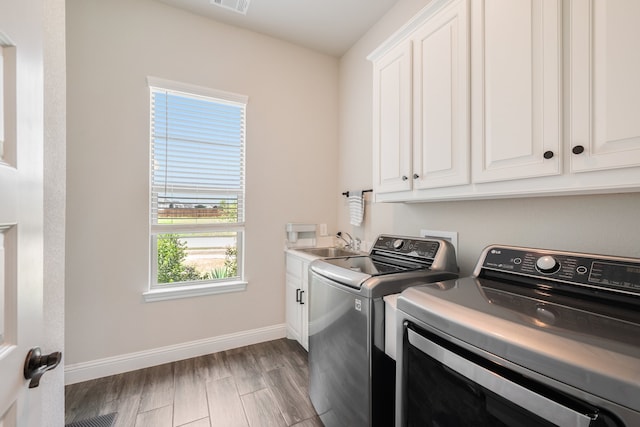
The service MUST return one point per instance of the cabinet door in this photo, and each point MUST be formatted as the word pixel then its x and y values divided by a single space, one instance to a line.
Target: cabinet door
pixel 293 314
pixel 304 307
pixel 441 99
pixel 392 120
pixel 293 286
pixel 516 75
pixel 604 84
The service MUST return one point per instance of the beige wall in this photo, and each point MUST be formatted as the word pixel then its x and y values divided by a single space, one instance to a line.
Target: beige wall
pixel 300 156
pixel 602 224
pixel 112 46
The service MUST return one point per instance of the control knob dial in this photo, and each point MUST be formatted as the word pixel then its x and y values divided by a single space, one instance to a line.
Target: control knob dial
pixel 398 243
pixel 547 264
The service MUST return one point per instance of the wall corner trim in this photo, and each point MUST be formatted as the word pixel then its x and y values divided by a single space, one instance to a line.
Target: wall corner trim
pixel 85 371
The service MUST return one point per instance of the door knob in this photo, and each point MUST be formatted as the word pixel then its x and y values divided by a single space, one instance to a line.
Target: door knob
pixel 36 365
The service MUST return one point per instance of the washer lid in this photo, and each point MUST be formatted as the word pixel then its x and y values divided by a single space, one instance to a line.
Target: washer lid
pixel 353 271
pixel 339 270
pixel 374 266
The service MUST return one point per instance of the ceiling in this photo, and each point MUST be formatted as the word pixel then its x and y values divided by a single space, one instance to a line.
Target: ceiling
pixel 328 26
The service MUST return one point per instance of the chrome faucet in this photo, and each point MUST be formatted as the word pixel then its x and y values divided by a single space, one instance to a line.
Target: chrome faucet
pixel 353 244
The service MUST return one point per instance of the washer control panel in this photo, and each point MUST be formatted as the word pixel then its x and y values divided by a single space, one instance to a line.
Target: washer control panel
pixel 612 273
pixel 407 246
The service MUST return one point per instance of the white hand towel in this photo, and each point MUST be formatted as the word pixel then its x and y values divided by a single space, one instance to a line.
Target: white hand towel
pixel 356 207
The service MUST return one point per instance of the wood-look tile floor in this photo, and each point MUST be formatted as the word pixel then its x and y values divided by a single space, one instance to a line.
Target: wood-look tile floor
pixel 259 385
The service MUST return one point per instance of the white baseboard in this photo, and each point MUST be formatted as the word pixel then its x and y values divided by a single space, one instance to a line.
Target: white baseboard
pixel 85 371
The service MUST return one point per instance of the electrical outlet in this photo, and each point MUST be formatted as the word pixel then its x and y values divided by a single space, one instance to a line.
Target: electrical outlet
pixel 451 236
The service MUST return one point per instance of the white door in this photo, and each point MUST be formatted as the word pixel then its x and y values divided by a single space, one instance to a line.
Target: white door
pixel 21 206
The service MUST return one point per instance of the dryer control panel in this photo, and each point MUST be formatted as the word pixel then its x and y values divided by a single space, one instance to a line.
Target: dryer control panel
pixel 595 271
pixel 415 247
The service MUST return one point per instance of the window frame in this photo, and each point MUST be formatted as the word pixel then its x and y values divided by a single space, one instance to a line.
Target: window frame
pixel 163 291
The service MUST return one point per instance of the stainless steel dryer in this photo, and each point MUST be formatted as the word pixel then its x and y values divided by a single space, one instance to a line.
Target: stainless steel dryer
pixel 534 338
pixel 352 380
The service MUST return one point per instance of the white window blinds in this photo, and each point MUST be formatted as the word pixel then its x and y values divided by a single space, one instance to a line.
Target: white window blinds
pixel 198 158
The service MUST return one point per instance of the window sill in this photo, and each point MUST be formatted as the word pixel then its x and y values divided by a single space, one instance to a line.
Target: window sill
pixel 178 292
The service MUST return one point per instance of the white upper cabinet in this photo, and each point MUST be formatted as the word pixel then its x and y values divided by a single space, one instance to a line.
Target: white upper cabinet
pixel 392 120
pixel 508 98
pixel 604 84
pixel 516 72
pixel 421 102
pixel 441 99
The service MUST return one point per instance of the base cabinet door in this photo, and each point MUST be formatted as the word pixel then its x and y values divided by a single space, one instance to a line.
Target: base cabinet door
pixel 604 84
pixel 304 309
pixel 516 96
pixel 296 302
pixel 294 311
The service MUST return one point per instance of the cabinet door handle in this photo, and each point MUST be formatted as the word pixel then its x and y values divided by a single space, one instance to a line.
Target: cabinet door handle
pixel 548 154
pixel 416 176
pixel 298 295
pixel 578 149
pixel 404 177
pixel 301 302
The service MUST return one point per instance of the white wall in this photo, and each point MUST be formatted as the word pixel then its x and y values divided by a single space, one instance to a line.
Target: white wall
pixel 112 46
pixel 602 224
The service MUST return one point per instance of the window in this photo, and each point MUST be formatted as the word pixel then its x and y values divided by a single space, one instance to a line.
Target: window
pixel 197 188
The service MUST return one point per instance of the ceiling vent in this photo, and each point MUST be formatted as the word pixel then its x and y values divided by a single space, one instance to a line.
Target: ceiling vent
pixel 239 6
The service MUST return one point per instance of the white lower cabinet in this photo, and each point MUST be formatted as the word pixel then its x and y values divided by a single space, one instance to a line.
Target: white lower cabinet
pixel 297 296
pixel 508 99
